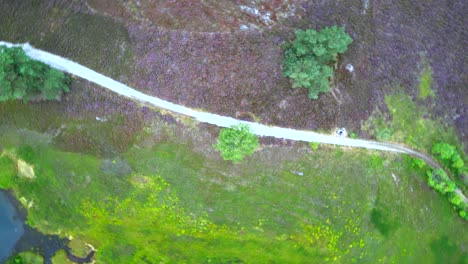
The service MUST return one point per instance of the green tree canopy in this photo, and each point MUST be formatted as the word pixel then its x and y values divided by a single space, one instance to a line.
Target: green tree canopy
pixel 237 142
pixel 439 180
pixel 307 60
pixel 444 150
pixel 449 155
pixel 27 79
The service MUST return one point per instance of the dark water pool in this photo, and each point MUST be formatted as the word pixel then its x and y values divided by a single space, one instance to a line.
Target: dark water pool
pixel 11 227
pixel 16 236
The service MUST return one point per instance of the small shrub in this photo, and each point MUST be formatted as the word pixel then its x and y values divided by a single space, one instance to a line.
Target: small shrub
pixel 449 156
pixel 439 180
pixel 418 163
pixel 16 260
pixel 27 79
pixel 314 145
pixel 307 60
pixel 444 150
pixel 457 162
pixel 463 214
pixel 456 199
pixel 237 142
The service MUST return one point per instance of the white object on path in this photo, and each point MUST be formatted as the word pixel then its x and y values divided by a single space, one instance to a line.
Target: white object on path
pixel 349 67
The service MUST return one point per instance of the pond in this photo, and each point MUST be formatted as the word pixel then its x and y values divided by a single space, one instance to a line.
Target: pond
pixel 11 226
pixel 17 237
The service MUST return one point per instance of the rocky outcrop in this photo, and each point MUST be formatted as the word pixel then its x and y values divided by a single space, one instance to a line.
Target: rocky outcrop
pixel 25 170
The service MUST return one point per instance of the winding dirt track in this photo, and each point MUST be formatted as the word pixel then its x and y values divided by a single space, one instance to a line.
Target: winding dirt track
pixel 222 121
pixel 218 120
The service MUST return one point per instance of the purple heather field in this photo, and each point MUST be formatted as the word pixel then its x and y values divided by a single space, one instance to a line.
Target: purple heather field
pixel 227 59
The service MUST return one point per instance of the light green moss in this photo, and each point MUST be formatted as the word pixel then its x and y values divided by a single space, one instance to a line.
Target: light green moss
pixel 425 84
pixel 61 258
pixel 407 122
pixel 26 258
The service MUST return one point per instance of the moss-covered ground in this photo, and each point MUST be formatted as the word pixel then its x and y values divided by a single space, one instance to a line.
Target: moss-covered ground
pixel 180 202
pixel 409 121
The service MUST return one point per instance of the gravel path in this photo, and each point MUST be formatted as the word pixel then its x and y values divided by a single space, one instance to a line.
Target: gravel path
pixel 218 120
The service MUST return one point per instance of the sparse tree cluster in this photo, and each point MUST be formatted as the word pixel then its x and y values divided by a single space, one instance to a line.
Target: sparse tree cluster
pixel 449 155
pixel 439 180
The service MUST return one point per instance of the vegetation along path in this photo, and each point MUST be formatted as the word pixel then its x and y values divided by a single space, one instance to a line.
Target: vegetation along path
pixel 218 120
